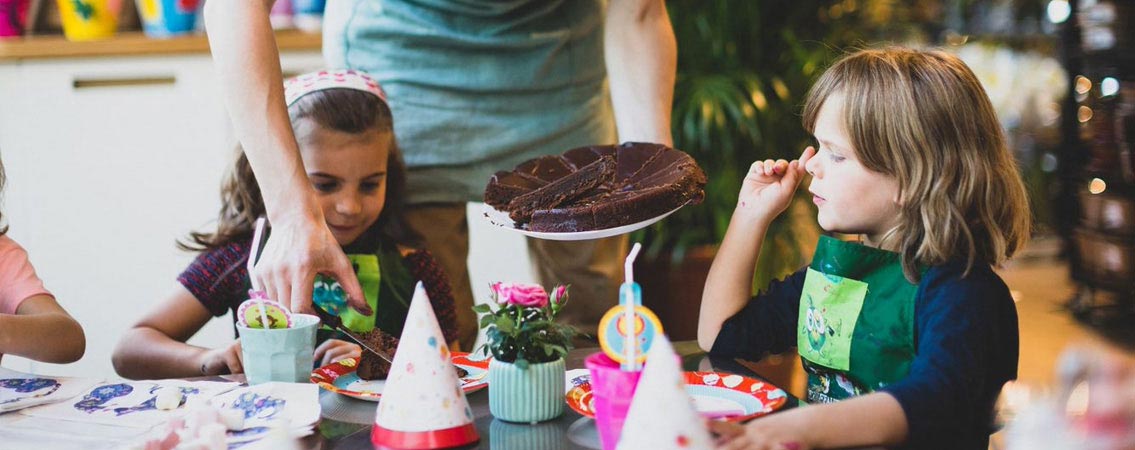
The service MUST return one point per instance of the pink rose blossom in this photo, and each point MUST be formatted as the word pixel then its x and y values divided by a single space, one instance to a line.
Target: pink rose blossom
pixel 526 295
pixel 559 296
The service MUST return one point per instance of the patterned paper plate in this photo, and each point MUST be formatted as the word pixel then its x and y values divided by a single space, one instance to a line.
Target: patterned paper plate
pixel 735 398
pixel 340 377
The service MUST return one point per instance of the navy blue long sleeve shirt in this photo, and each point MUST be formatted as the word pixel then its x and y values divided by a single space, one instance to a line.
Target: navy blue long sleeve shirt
pixel 966 348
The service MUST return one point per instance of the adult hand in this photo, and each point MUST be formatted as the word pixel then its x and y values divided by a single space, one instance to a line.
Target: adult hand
pixel 294 254
pixel 759 434
pixel 223 361
pixel 768 187
pixel 333 350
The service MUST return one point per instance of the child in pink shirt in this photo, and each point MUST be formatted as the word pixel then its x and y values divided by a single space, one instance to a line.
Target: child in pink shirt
pixel 32 324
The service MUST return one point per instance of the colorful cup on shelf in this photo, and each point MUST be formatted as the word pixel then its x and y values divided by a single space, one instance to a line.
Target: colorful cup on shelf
pixel 279 354
pixel 166 18
pixel 308 15
pixel 13 17
pixel 88 20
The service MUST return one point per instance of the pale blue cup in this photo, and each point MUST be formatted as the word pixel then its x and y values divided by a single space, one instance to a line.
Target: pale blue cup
pixel 279 354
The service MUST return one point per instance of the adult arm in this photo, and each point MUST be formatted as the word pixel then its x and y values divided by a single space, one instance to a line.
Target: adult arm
pixel 301 246
pixel 641 57
pixel 41 330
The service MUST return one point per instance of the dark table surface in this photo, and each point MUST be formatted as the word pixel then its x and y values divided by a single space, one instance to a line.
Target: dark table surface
pixel 347 421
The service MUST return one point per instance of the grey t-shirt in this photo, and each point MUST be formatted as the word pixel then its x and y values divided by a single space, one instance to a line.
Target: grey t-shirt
pixel 478 86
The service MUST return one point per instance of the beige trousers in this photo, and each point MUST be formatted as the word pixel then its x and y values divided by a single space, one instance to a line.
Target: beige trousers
pixel 592 268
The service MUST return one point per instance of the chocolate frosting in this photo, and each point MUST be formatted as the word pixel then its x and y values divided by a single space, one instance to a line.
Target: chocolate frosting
pixel 647 180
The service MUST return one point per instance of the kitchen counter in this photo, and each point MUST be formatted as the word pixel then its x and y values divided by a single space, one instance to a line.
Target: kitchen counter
pixel 133 44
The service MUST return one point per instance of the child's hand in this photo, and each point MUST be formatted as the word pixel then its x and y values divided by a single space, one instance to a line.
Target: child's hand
pixel 223 361
pixel 333 350
pixel 768 187
pixel 760 434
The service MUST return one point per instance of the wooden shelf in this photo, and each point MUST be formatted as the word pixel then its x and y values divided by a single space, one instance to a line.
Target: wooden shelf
pixel 133 44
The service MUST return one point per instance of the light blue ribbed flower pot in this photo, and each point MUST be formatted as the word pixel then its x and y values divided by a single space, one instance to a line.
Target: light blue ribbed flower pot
pixel 532 395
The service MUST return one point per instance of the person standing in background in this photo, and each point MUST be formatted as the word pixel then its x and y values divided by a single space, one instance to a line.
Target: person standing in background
pixel 477 87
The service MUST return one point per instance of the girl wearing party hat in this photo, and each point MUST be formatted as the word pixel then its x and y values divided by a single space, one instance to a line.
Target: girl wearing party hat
pixel 345 134
pixel 912 322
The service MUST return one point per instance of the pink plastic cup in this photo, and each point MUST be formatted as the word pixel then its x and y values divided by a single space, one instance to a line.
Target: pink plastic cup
pixel 613 390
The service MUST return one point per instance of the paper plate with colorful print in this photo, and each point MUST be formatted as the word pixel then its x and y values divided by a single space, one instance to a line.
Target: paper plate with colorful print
pixel 723 396
pixel 339 377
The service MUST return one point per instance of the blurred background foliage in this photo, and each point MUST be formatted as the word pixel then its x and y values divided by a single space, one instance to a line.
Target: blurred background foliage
pixel 744 68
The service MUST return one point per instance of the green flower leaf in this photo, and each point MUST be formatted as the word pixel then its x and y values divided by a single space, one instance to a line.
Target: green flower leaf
pixel 483 308
pixel 505 324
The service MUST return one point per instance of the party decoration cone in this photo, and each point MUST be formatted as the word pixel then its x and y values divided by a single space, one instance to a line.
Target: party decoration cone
pixel 422 406
pixel 662 414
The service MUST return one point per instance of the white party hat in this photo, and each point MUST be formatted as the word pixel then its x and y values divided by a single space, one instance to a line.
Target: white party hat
pixel 422 403
pixel 662 414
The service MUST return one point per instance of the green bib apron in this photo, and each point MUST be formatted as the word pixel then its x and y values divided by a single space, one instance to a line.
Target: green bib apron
pixel 382 275
pixel 855 333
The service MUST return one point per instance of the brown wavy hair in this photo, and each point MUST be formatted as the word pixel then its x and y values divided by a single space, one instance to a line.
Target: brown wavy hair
pixel 340 109
pixel 923 118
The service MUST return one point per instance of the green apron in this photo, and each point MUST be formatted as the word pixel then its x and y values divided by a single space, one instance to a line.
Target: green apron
pixel 381 275
pixel 855 333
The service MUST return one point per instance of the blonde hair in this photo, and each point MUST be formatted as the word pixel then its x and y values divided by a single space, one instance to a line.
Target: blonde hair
pixel 923 118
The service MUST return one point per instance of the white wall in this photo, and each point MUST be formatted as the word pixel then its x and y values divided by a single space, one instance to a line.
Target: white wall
pixel 495 254
pixel 101 181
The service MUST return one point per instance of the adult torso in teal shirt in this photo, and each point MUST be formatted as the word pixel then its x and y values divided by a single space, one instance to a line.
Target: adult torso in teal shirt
pixel 477 86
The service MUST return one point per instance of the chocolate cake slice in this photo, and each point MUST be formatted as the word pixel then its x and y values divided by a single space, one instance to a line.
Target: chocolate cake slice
pixel 505 186
pixel 372 366
pixel 563 190
pixel 648 180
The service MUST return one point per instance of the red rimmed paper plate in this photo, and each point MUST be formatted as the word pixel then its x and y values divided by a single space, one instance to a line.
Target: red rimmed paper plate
pixel 725 396
pixel 339 377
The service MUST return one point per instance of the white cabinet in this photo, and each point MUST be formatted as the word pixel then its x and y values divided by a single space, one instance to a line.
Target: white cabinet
pixel 109 161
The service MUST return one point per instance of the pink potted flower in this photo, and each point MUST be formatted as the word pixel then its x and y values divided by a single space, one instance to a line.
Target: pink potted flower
pixel 526 373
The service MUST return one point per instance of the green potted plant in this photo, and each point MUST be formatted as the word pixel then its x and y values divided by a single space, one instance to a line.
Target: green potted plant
pixel 526 374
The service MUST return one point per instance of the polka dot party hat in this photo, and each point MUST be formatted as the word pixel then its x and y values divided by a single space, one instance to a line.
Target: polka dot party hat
pixel 422 403
pixel 662 414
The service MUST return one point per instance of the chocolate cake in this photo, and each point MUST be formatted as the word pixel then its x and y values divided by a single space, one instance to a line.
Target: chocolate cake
pixel 597 187
pixel 570 187
pixel 372 366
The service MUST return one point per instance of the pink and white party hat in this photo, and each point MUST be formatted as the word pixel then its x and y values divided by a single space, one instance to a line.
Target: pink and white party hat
pixel 662 414
pixel 422 406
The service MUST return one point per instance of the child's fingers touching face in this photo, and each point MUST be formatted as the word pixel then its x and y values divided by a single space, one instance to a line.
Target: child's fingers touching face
pixel 805 158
